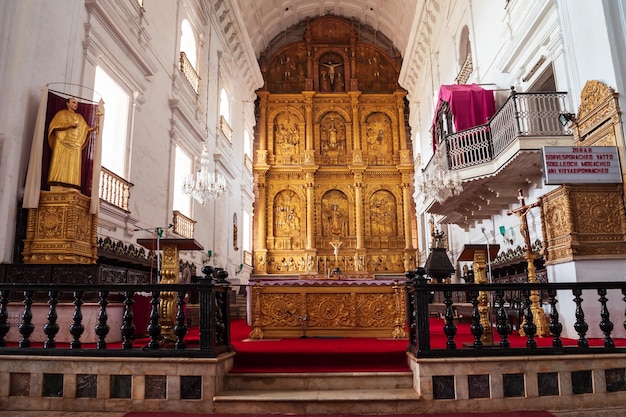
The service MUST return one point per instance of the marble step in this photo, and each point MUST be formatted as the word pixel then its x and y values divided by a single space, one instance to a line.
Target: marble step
pixel 319 381
pixel 319 393
pixel 340 401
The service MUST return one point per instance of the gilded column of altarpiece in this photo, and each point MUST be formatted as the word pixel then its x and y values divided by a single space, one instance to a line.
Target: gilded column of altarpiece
pixel 333 167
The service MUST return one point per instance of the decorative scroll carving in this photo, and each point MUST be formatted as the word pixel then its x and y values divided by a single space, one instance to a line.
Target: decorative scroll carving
pixel 598 120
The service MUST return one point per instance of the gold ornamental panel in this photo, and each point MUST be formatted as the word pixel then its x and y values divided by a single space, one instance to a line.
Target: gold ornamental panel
pixel 61 230
pixel 584 222
pixel 345 309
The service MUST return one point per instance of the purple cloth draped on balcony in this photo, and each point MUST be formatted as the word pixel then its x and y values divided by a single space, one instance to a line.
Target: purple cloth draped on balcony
pixel 470 105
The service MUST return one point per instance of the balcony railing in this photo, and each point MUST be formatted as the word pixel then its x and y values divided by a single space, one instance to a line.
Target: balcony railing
pixel 183 225
pixel 226 129
pixel 522 115
pixel 114 189
pixel 189 71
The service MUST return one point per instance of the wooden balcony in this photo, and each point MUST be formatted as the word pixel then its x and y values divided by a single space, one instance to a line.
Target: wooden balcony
pixel 492 161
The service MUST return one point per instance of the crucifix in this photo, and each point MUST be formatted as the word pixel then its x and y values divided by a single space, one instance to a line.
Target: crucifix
pixel 539 318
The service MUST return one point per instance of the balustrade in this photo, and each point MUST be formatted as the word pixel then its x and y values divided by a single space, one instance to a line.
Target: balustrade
pixel 189 71
pixel 522 115
pixel 419 325
pixel 114 189
pixel 183 225
pixel 214 330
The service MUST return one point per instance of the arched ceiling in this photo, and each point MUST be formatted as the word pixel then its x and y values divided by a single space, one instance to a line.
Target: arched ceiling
pixel 265 19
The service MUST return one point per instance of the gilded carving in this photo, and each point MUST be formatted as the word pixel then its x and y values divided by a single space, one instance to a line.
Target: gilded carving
pixel 598 121
pixel 286 135
pixel 333 134
pixel 382 214
pixel 334 162
pixel 583 221
pixel 286 214
pixel 355 310
pixel 61 230
pixel 378 134
pixel 335 214
pixel 592 95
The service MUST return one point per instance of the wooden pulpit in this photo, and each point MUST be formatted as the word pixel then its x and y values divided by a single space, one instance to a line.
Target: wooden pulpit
pixel 169 275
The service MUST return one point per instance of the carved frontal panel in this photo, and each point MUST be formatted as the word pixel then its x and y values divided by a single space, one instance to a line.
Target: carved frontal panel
pixel 350 310
pixel 584 222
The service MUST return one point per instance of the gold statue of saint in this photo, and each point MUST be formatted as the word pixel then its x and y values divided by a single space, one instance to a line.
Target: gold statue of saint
pixel 67 135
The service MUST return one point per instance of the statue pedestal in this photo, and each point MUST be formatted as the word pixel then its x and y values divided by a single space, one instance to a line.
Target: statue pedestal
pixel 61 230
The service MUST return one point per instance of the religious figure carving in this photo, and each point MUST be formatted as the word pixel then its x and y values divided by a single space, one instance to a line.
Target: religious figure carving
pixel 287 136
pixel 67 136
pixel 333 136
pixel 336 244
pixel 338 84
pixel 335 220
pixel 331 70
pixel 383 216
pixel 286 218
pixel 324 83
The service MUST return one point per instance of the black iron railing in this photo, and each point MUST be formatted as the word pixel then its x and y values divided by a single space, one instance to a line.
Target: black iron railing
pixel 213 339
pixel 419 291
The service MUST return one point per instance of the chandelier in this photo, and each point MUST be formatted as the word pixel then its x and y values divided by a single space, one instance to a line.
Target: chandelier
pixel 206 185
pixel 437 181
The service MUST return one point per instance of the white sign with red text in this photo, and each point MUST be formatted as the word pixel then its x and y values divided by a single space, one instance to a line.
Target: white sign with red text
pixel 581 165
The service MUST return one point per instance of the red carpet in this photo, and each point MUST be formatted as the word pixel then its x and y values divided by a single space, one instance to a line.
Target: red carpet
pixel 350 354
pixel 499 414
pixel 315 354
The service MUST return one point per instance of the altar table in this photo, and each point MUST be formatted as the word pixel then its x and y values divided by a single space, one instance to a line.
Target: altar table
pixel 318 308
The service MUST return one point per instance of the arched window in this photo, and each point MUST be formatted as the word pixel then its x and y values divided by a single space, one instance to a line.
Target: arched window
pixel 115 129
pixel 188 43
pixel 466 64
pixel 183 168
pixel 224 106
pixel 247 144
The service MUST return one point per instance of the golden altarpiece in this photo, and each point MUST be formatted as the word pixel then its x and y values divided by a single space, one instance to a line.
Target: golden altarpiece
pixel 333 175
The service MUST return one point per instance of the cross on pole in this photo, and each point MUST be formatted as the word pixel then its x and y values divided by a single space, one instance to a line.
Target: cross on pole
pixel 539 317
